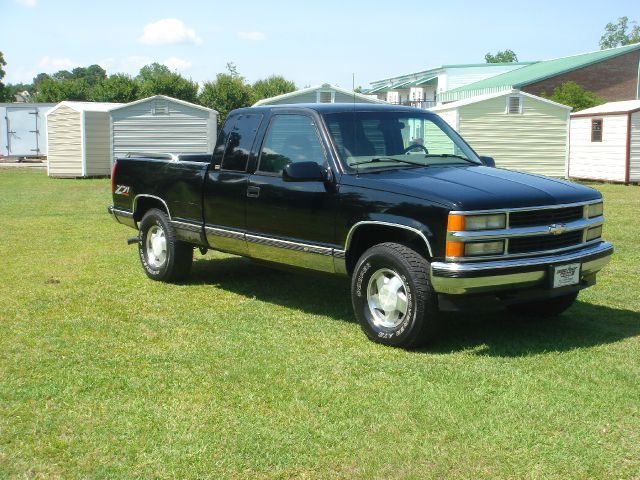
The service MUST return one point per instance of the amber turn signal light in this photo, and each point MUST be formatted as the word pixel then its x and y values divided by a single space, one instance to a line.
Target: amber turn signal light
pixel 455 249
pixel 455 223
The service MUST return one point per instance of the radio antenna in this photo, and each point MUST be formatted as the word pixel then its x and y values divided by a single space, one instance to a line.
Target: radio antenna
pixel 355 137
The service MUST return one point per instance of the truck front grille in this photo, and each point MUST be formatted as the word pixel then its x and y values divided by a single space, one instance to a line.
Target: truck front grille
pixel 547 216
pixel 540 243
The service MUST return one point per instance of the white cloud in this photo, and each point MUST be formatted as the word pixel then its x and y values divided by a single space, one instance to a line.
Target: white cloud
pixel 175 63
pixel 168 31
pixel 131 64
pixel 252 36
pixel 27 3
pixel 48 63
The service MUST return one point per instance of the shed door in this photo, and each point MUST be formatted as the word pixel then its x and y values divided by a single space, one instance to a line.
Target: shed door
pixel 22 131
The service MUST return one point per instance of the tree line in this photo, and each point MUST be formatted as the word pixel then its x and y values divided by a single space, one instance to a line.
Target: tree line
pixel 228 91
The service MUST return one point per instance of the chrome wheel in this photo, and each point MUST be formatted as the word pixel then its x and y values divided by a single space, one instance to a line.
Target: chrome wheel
pixel 156 247
pixel 387 298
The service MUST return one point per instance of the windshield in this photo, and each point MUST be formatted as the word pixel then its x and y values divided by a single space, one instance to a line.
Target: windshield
pixel 369 140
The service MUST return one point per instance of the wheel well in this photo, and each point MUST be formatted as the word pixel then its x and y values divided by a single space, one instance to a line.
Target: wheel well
pixel 367 236
pixel 144 204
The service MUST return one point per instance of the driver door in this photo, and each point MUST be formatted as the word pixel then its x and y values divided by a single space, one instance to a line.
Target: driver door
pixel 291 222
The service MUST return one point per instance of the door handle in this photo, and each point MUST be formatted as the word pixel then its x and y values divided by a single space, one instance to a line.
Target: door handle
pixel 253 192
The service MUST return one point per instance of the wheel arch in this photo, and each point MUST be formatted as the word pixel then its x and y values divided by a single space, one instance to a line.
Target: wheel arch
pixel 367 233
pixel 143 202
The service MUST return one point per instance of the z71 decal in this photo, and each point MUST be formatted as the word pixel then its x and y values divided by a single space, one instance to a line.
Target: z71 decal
pixel 122 190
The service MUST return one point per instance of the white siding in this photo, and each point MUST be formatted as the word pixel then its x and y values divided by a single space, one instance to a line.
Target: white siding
pixel 534 141
pixel 97 143
pixel 604 160
pixel 634 159
pixel 64 143
pixel 183 129
pixel 450 116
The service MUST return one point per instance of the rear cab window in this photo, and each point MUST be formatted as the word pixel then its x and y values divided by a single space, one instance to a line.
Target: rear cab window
pixel 235 142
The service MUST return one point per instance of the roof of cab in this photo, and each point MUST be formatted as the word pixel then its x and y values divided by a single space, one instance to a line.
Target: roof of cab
pixel 323 108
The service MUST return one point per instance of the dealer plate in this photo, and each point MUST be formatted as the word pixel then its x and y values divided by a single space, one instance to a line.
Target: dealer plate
pixel 565 275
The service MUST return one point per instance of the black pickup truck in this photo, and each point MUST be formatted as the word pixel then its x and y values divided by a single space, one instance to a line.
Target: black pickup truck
pixel 391 196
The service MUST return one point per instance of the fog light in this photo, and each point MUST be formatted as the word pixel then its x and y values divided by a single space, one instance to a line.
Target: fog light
pixel 483 248
pixel 593 233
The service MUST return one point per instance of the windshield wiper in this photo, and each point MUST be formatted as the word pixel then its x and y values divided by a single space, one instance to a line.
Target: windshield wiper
pixel 388 159
pixel 449 155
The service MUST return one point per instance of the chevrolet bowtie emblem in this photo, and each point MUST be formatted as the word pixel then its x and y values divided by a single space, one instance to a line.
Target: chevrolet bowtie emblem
pixel 557 228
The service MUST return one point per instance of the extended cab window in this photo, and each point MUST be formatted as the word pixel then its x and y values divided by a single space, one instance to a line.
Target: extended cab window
pixel 291 138
pixel 240 141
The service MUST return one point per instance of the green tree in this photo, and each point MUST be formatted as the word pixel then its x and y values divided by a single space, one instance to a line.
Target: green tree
pixel 92 74
pixel 118 87
pixel 53 90
pixel 619 34
pixel 272 86
pixel 39 78
pixel 503 56
pixel 157 79
pixel 573 95
pixel 3 91
pixel 62 75
pixel 227 92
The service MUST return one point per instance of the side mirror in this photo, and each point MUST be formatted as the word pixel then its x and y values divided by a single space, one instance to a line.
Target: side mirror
pixel 304 172
pixel 488 161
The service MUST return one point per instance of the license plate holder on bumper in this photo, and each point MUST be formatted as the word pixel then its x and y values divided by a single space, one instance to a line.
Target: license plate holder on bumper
pixel 564 275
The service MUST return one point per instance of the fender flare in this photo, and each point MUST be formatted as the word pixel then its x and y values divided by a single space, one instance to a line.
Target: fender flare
pixel 420 232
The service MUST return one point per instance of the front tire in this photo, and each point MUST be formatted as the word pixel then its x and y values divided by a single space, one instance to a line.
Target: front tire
pixel 549 308
pixel 163 257
pixel 392 297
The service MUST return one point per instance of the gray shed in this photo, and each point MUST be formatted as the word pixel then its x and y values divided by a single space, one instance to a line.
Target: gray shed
pixel 162 124
pixel 23 129
pixel 324 93
pixel 78 139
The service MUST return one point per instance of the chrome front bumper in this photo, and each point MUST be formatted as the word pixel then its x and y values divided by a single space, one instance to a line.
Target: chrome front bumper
pixel 124 217
pixel 498 275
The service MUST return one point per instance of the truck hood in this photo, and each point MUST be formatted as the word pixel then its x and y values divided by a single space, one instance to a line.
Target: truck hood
pixel 474 187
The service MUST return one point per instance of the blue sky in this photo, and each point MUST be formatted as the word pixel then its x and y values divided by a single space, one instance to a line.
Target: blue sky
pixel 307 42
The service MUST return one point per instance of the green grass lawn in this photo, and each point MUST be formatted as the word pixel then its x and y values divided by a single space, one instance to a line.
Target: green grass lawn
pixel 247 372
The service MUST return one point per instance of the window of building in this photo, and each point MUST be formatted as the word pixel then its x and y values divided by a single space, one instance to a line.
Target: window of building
pixel 160 108
pixel 325 96
pixel 393 97
pixel 514 104
pixel 596 130
pixel 291 138
pixel 240 142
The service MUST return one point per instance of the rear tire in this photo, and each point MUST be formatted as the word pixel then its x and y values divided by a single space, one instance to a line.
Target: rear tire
pixel 163 257
pixel 549 308
pixel 392 297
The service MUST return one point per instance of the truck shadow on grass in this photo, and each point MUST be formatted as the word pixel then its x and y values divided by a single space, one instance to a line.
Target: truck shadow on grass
pixel 492 333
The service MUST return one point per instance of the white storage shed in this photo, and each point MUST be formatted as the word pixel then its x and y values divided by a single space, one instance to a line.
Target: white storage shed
pixel 23 129
pixel 605 143
pixel 325 93
pixel 78 139
pixel 519 130
pixel 163 125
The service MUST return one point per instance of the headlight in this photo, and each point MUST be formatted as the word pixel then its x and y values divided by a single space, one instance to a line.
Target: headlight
pixel 495 221
pixel 595 210
pixel 595 232
pixel 483 248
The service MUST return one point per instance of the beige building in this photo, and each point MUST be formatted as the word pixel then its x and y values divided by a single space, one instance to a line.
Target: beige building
pixel 605 143
pixel 79 139
pixel 520 131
